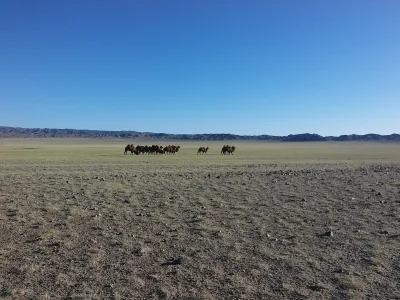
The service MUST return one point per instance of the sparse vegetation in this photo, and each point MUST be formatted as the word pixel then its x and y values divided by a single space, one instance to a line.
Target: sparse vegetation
pixel 80 220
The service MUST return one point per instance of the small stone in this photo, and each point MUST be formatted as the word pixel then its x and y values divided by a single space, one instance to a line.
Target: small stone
pixel 172 261
pixel 342 270
pixel 316 287
pixel 328 233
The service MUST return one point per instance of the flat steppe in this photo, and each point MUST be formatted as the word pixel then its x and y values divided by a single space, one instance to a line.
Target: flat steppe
pixel 79 220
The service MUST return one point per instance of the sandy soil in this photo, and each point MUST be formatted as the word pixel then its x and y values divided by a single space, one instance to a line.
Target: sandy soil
pixel 210 228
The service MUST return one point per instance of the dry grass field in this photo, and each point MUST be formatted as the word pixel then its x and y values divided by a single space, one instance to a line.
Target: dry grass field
pixel 79 220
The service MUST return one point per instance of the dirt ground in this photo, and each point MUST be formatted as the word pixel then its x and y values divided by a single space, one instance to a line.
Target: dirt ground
pixel 79 220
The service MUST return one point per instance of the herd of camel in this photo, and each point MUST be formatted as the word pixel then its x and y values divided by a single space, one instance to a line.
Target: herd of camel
pixel 156 149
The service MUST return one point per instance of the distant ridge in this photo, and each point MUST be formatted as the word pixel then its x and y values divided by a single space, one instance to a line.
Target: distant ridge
pixel 17 132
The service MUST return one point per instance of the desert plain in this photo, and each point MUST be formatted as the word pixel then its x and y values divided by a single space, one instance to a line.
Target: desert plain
pixel 80 220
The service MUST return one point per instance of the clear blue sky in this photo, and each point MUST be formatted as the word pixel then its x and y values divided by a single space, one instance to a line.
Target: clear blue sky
pixel 198 66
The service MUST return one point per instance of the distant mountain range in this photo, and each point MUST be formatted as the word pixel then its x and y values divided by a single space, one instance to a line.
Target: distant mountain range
pixel 17 132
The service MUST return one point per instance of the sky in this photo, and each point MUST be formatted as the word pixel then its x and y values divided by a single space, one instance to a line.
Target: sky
pixel 242 67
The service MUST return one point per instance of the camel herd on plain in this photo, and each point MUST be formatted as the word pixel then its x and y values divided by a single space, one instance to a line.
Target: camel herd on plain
pixel 170 149
pixel 154 149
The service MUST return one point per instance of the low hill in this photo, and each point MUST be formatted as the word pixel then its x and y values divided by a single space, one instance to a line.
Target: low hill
pixel 17 132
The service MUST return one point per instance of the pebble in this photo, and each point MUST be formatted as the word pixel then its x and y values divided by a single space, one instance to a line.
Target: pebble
pixel 316 287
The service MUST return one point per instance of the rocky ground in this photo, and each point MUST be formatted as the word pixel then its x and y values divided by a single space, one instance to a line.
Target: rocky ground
pixel 199 231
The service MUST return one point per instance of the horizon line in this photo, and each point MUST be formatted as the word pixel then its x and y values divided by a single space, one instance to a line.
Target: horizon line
pixel 150 132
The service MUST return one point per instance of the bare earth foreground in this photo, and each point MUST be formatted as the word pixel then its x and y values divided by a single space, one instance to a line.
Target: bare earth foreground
pixel 79 220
